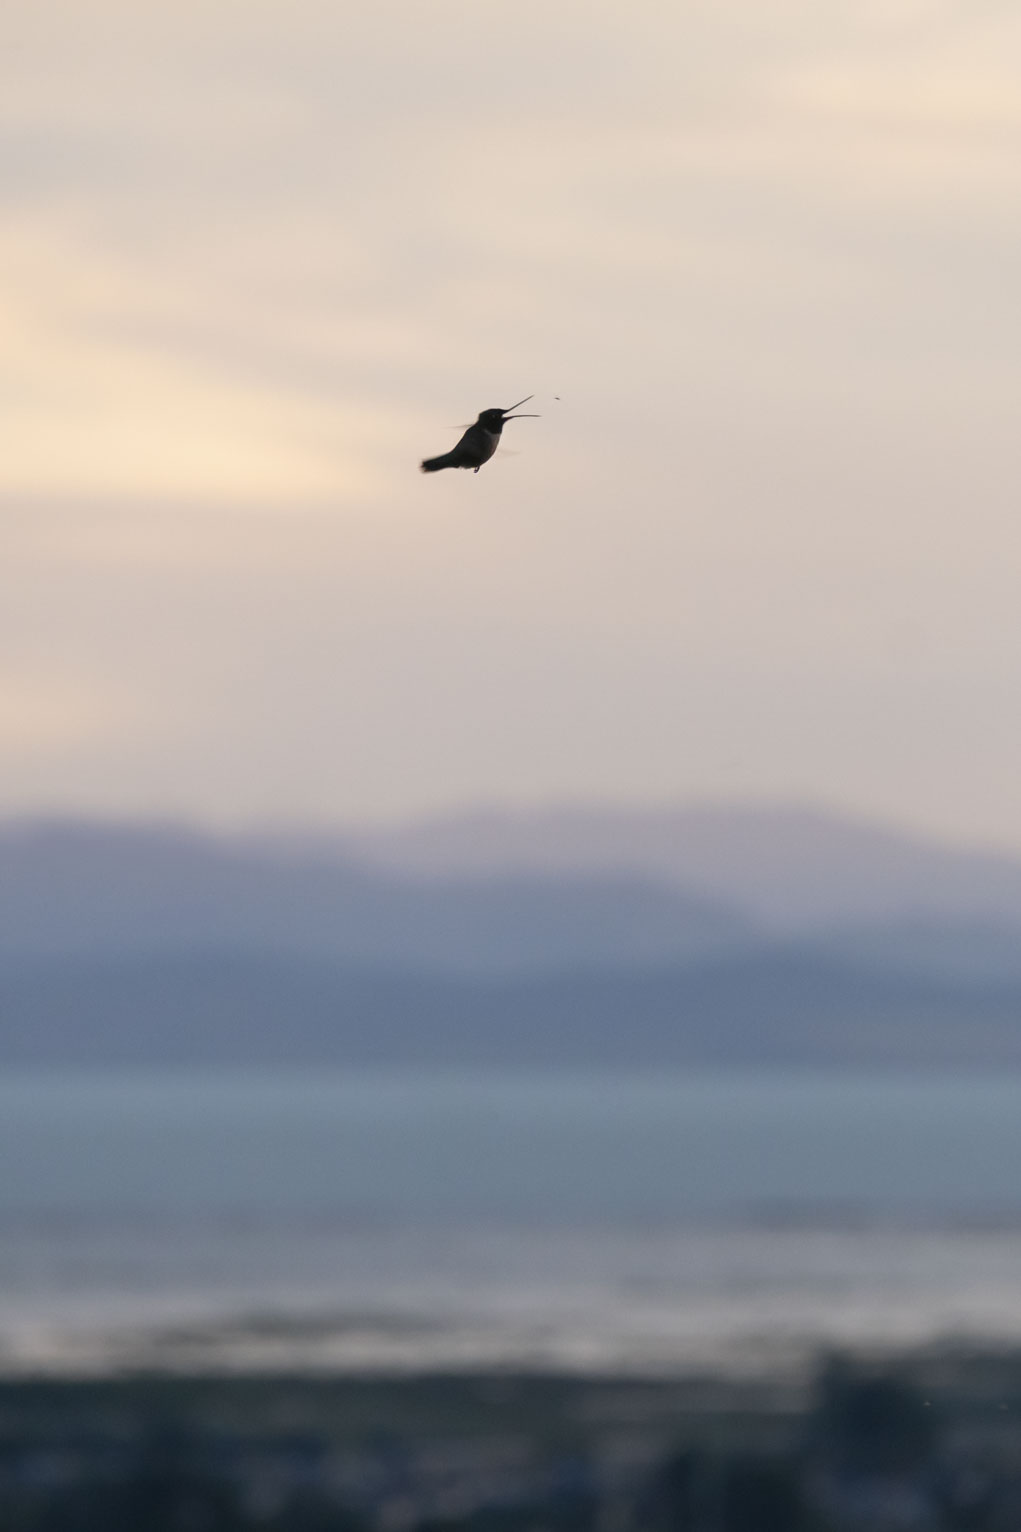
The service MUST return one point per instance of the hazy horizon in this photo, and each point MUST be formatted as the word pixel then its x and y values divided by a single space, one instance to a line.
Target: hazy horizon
pixel 483 812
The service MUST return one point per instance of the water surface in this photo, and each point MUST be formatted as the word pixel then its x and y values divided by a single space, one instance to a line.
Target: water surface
pixel 398 1219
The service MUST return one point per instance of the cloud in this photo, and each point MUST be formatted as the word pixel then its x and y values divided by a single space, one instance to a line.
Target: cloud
pixel 48 710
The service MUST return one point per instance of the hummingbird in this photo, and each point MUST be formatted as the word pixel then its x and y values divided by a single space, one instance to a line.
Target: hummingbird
pixel 479 442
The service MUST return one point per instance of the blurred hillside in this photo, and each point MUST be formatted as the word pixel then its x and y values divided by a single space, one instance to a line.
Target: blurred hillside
pixel 792 868
pixel 737 936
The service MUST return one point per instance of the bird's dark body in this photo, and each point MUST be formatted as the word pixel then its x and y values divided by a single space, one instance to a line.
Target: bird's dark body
pixel 476 446
pixel 478 443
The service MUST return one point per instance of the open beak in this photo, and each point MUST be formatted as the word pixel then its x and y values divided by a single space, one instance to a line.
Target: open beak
pixel 527 416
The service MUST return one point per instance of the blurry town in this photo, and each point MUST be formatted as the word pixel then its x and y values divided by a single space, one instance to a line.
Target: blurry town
pixel 929 1441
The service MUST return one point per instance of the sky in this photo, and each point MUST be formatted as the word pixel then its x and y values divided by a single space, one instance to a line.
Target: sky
pixel 757 262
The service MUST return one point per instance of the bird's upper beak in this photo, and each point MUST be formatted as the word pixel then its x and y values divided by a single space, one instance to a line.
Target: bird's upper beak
pixel 528 416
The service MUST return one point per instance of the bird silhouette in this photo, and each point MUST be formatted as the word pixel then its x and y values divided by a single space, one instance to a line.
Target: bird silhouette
pixel 479 442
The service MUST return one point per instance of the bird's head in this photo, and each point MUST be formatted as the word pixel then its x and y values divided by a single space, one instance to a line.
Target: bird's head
pixel 494 420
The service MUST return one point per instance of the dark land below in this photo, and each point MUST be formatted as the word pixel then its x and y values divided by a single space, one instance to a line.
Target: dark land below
pixel 931 1440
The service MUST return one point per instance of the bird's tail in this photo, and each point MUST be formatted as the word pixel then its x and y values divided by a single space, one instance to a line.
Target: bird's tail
pixel 433 464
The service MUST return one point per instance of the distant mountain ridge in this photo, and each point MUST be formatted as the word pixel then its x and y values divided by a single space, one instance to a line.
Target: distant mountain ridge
pixel 650 939
pixel 790 867
pixel 763 1010
pixel 82 890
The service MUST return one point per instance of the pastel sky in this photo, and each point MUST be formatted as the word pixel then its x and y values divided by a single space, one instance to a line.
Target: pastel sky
pixel 257 259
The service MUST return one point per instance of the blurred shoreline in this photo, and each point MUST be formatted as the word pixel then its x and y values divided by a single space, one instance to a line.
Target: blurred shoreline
pixel 738 1303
